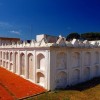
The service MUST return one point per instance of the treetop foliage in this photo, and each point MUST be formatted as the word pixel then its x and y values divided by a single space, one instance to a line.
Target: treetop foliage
pixel 84 36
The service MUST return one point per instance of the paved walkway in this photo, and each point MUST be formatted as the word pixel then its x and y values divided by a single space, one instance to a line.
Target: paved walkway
pixel 14 87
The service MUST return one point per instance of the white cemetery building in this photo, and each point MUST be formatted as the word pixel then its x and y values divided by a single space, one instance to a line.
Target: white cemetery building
pixel 52 62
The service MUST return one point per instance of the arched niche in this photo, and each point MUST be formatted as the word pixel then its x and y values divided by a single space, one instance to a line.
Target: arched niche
pixel 96 57
pixel 95 71
pixel 22 64
pixel 76 59
pixel 41 79
pixel 3 55
pixel 61 80
pixel 41 61
pixel 86 74
pixel 0 54
pixel 11 67
pixel 30 66
pixel 11 56
pixel 75 76
pixel 7 56
pixel 61 60
pixel 4 64
pixel 7 65
pixel 0 62
pixel 16 62
pixel 87 59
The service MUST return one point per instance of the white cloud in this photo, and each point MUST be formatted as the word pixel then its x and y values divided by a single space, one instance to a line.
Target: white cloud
pixel 15 32
pixel 9 28
pixel 5 25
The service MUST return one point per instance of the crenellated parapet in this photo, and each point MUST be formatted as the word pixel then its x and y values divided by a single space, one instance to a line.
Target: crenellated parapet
pixel 76 43
pixel 43 42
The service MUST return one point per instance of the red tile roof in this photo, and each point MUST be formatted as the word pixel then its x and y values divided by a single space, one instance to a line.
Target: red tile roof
pixel 17 86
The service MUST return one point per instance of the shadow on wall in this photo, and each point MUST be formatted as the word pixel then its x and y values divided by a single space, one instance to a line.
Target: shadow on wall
pixel 85 85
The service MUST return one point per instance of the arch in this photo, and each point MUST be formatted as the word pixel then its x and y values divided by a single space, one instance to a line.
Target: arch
pixel 61 60
pixel 95 71
pixel 16 62
pixel 7 56
pixel 76 59
pixel 61 80
pixel 0 62
pixel 96 57
pixel 41 61
pixel 11 56
pixel 87 59
pixel 30 66
pixel 11 67
pixel 86 73
pixel 3 63
pixel 22 64
pixel 76 76
pixel 3 55
pixel 41 79
pixel 7 65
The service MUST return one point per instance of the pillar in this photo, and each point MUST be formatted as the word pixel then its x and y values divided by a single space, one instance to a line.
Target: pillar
pixel 13 60
pixel 47 70
pixel 26 65
pixel 9 60
pixel 18 62
pixel 35 66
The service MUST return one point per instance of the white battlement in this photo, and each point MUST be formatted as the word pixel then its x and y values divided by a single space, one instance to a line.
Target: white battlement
pixel 43 42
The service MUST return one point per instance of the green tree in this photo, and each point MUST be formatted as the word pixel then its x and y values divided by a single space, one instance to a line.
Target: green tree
pixel 72 36
pixel 91 36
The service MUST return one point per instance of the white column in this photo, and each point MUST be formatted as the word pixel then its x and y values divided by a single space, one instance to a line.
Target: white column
pixel 81 65
pixel 69 67
pixel 2 58
pixel 47 70
pixel 5 56
pixel 6 59
pixel 92 64
pixel 70 52
pixel 18 62
pixel 34 66
pixel 9 60
pixel 52 69
pixel 26 65
pixel 13 58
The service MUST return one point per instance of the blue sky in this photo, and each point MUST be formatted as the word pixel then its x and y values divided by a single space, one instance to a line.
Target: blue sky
pixel 27 18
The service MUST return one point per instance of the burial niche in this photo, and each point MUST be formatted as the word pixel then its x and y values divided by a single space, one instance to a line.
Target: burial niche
pixel 61 61
pixel 61 80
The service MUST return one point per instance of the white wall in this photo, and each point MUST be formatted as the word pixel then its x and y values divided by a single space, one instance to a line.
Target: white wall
pixel 70 66
pixel 31 64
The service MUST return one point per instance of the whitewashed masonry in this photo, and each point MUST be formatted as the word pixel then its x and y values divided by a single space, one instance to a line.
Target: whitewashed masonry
pixel 54 64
